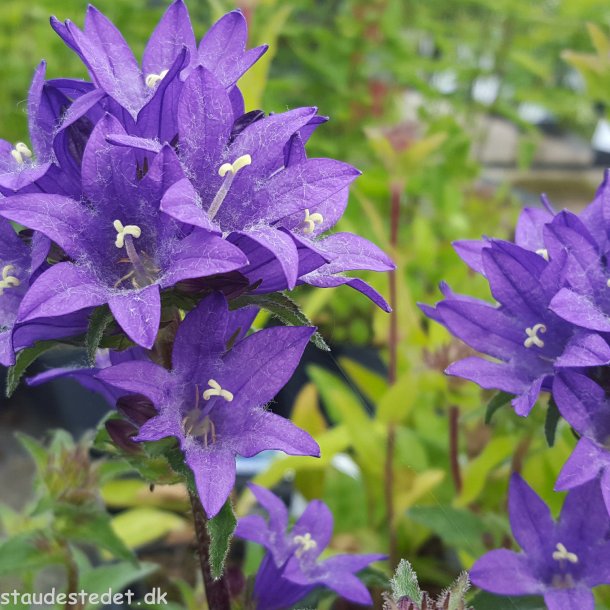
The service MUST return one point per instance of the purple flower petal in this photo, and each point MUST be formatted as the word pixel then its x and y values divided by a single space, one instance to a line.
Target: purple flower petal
pixel 138 314
pixel 530 518
pixel 580 310
pixel 505 572
pixel 173 32
pixel 62 289
pixel 569 599
pixel 139 377
pixel 273 354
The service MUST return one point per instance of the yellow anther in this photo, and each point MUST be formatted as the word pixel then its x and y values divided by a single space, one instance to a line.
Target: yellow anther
pixel 305 542
pixel 8 281
pixel 562 554
pixel 153 79
pixel 21 152
pixel 216 390
pixel 123 231
pixel 544 253
pixel 532 336
pixel 311 220
pixel 234 167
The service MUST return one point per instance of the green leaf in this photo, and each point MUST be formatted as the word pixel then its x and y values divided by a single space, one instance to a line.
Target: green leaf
pixel 550 423
pixel 476 472
pixel 457 528
pixel 115 577
pixel 28 551
pixel 99 321
pixel 37 451
pixel 371 384
pixel 487 601
pixel 404 583
pixel 91 525
pixel 497 402
pixel 221 529
pixel 284 309
pixel 138 527
pixel 24 358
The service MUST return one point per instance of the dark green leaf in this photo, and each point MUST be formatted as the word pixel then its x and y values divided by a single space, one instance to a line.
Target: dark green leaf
pixel 497 402
pixel 24 358
pixel 284 309
pixel 487 601
pixel 551 421
pixel 99 321
pixel 221 529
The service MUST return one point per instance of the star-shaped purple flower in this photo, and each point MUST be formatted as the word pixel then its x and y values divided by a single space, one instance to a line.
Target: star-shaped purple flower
pixel 20 263
pixel 149 94
pixel 562 561
pixel 123 249
pixel 291 568
pixel 586 407
pixel 255 184
pixel 526 338
pixel 212 400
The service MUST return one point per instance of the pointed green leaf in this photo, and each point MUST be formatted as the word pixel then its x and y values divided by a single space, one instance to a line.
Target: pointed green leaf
pixel 221 529
pixel 284 309
pixel 550 423
pixel 497 402
pixel 99 321
pixel 24 358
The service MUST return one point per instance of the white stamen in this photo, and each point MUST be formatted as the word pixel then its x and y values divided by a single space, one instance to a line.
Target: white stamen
pixel 227 171
pixel 153 79
pixel 562 554
pixel 305 542
pixel 20 151
pixel 532 336
pixel 123 231
pixel 608 283
pixel 8 281
pixel 234 167
pixel 544 253
pixel 311 220
pixel 216 390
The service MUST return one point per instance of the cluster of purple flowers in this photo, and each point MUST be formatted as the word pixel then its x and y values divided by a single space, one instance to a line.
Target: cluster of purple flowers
pixel 151 181
pixel 549 330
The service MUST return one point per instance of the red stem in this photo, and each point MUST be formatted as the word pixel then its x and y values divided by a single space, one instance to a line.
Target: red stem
pixel 396 192
pixel 216 591
pixel 454 417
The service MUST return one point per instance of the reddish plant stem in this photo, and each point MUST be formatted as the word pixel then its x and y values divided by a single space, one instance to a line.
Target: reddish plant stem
pixel 216 591
pixel 396 192
pixel 454 419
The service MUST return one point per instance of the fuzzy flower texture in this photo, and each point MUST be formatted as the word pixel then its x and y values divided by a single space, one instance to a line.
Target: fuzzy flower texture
pixel 150 192
pixel 548 331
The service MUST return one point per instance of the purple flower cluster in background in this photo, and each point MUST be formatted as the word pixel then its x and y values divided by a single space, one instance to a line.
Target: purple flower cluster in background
pixel 549 330
pixel 291 568
pixel 149 198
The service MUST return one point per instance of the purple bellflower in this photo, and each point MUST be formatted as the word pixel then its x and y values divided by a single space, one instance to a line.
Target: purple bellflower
pixel 528 340
pixel 291 568
pixel 586 407
pixel 20 165
pixel 20 264
pixel 256 185
pixel 212 400
pixel 561 560
pixel 123 250
pixel 144 99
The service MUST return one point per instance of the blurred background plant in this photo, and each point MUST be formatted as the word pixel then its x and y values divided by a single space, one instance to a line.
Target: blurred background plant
pixel 457 113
